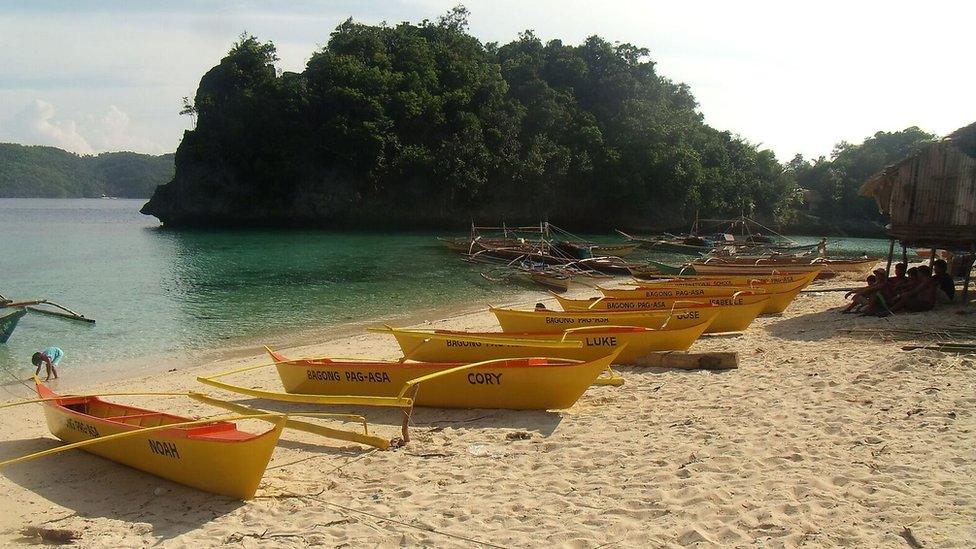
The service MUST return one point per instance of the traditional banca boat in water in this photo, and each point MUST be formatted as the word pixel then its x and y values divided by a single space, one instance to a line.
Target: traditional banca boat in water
pixel 9 317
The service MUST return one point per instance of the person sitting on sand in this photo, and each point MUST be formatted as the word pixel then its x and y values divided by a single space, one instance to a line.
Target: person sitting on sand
pixel 50 357
pixel 945 286
pixel 900 279
pixel 882 294
pixel 861 297
pixel 919 298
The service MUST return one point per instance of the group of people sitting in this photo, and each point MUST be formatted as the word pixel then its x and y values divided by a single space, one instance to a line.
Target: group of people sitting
pixel 911 290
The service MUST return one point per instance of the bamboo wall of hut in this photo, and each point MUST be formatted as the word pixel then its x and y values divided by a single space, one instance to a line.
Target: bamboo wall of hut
pixel 930 196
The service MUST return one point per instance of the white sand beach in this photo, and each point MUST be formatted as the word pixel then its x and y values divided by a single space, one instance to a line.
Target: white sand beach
pixel 817 439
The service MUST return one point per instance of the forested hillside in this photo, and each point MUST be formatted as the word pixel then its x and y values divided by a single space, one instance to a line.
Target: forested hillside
pixel 831 185
pixel 423 125
pixel 49 172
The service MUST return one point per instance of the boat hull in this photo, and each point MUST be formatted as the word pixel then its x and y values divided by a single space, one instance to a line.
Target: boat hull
pixel 742 305
pixel 764 281
pixel 527 384
pixel 781 295
pixel 217 462
pixel 827 268
pixel 550 280
pixel 558 321
pixel 633 343
pixel 8 322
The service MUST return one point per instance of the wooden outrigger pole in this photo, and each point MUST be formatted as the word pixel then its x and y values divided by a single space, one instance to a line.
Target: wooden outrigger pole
pixel 30 305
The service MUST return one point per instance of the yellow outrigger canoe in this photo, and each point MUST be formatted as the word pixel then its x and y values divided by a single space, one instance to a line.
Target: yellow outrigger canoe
pixel 769 282
pixel 517 384
pixel 588 343
pixel 781 294
pixel 209 455
pixel 773 303
pixel 731 318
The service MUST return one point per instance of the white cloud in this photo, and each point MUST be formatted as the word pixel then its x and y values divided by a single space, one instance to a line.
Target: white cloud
pixel 112 132
pixel 36 124
pixel 39 124
pixel 795 76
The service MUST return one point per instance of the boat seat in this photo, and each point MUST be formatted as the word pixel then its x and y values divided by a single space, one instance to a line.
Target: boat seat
pixel 221 430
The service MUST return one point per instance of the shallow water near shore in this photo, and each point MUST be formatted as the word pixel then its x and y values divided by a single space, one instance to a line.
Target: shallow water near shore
pixel 155 292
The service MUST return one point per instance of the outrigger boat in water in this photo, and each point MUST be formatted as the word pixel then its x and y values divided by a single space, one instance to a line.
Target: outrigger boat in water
pixel 517 384
pixel 9 318
pixel 12 311
pixel 591 343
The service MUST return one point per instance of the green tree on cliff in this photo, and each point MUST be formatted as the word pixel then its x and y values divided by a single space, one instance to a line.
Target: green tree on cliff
pixel 419 124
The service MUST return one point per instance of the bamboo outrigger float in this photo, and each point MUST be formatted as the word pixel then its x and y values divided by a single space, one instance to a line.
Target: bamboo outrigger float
pixel 517 384
pixel 12 311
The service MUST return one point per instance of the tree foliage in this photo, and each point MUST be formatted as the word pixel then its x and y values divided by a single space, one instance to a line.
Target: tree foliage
pixel 422 124
pixel 834 183
pixel 49 172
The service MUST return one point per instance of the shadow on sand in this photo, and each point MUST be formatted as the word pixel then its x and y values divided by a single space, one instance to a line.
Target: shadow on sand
pixel 92 486
pixel 820 325
pixel 540 421
pixel 824 325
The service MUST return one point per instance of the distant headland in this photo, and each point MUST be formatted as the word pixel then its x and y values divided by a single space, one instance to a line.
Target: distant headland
pixel 49 172
pixel 422 126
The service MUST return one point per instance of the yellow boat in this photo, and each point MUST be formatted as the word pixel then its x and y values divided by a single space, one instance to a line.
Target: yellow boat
pixel 213 456
pixel 770 283
pixel 781 294
pixel 775 302
pixel 518 384
pixel 734 318
pixel 588 343
pixel 736 312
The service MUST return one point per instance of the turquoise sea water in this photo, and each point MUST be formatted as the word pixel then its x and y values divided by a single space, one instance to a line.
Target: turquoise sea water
pixel 155 291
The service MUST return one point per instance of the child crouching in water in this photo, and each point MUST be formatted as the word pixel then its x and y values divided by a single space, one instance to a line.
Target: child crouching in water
pixel 50 357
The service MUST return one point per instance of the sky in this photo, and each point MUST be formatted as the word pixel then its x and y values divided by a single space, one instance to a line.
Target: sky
pixel 791 76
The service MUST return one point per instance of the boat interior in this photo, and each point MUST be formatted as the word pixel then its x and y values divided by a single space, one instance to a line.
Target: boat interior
pixel 139 417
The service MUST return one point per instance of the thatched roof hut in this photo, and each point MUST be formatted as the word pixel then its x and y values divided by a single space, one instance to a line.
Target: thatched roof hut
pixel 930 196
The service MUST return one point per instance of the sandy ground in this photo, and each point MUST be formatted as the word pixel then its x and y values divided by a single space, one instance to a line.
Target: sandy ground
pixel 818 439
